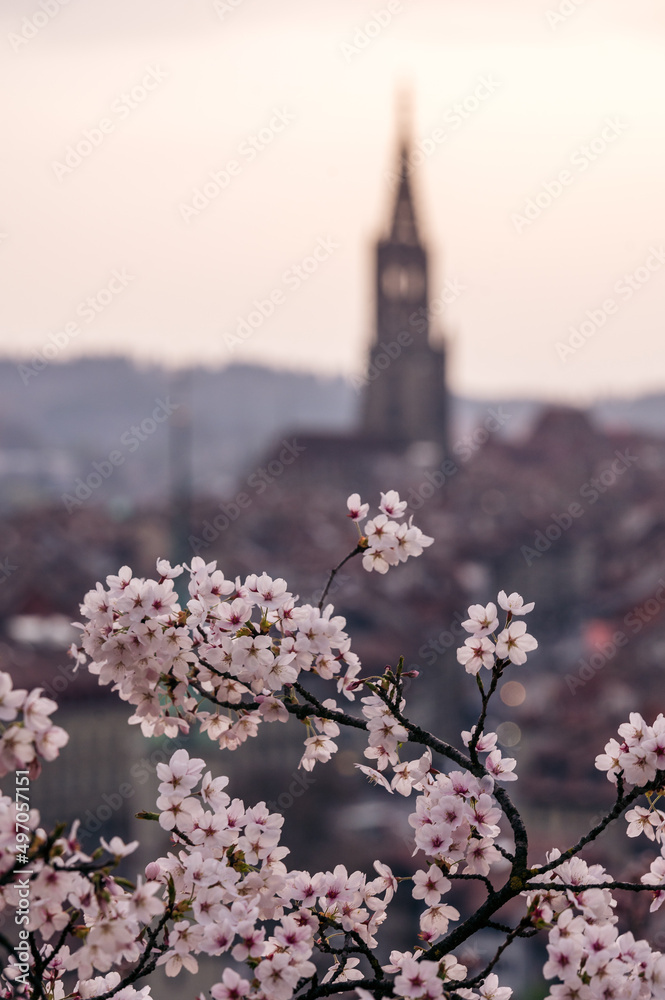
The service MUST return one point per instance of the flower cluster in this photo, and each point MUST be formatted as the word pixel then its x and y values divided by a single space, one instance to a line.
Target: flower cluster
pixel 31 737
pixel 386 542
pixel 424 980
pixel 639 758
pixel 67 888
pixel 511 644
pixel 640 754
pixel 585 948
pixel 456 823
pixel 241 645
pixel 229 879
pixel 236 645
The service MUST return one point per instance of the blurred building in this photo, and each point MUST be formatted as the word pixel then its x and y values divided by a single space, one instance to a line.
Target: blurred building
pixel 405 398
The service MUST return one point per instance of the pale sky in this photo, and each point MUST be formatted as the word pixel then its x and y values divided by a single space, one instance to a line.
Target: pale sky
pixel 116 111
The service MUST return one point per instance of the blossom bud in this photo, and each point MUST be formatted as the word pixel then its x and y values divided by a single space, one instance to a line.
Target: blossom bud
pixel 152 871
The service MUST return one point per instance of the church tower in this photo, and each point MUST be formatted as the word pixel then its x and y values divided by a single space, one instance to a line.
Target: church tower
pixel 405 398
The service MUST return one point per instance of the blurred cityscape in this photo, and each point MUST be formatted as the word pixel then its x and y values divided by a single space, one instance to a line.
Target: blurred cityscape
pixel 103 463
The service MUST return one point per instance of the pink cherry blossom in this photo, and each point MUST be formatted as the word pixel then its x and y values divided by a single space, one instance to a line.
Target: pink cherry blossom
pixel 514 643
pixel 482 620
pixel 515 604
pixel 357 509
pixel 476 652
pixel 391 505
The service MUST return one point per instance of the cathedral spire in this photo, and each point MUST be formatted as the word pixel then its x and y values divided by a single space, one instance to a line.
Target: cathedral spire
pixel 404 228
pixel 405 398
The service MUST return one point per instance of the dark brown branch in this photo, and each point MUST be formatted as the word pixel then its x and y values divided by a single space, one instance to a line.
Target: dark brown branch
pixel 302 711
pixel 627 886
pixel 622 802
pixel 469 875
pixel 333 572
pixel 515 932
pixel 497 671
pixel 380 988
pixel 148 961
pixel 359 944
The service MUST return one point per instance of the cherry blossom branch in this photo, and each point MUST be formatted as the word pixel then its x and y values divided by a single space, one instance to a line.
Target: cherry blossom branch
pixel 329 989
pixel 497 671
pixel 427 739
pixel 445 749
pixel 496 925
pixel 475 922
pixel 35 974
pixel 476 877
pixel 293 708
pixel 148 962
pixel 515 883
pixel 333 985
pixel 237 706
pixel 622 802
pixel 359 944
pixel 519 877
pixel 521 930
pixel 360 547
pixel 507 855
pixel 140 639
pixel 583 887
pixel 301 711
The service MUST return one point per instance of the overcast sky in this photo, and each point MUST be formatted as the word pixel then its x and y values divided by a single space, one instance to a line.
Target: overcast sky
pixel 117 111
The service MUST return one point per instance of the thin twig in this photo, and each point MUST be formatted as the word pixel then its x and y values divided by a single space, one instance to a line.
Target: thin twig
pixel 333 572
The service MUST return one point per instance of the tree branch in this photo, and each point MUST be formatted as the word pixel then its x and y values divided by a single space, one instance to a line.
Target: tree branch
pixel 622 802
pixel 333 572
pixel 627 886
pixel 513 933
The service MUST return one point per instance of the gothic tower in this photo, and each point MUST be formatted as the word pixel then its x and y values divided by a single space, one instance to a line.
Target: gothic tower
pixel 405 398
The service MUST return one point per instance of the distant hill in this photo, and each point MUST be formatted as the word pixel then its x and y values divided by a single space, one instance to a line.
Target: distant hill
pixel 644 413
pixel 66 421
pixel 69 416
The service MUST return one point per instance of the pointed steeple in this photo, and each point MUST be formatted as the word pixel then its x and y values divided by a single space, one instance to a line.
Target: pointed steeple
pixel 405 398
pixel 404 228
